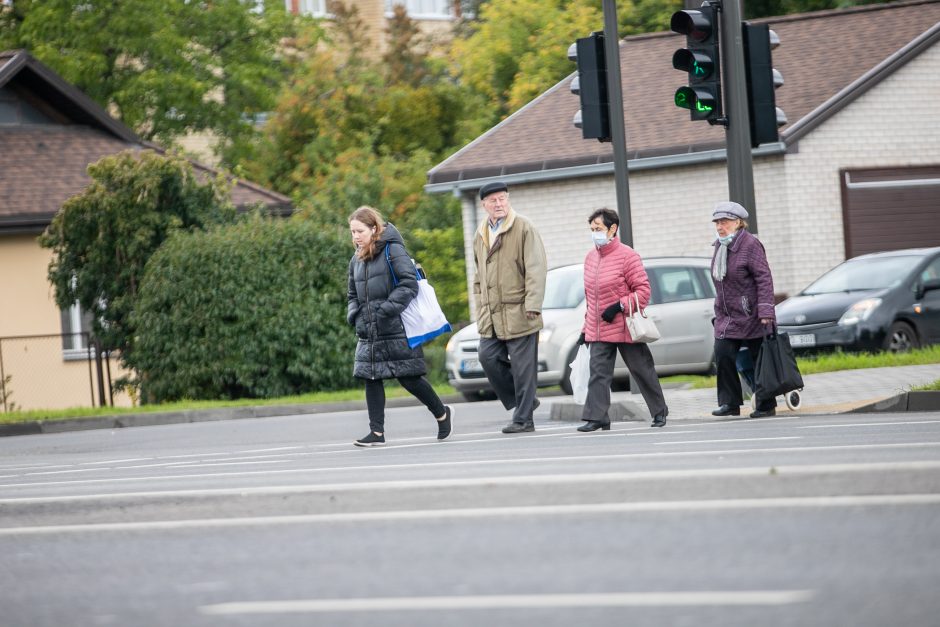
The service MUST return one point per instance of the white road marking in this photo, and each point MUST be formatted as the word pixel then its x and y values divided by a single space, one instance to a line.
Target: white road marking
pixel 789 437
pixel 589 509
pixel 579 459
pixel 641 475
pixel 514 601
pixel 116 461
pixel 871 424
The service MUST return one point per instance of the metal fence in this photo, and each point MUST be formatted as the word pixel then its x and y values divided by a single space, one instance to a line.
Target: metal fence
pixel 52 372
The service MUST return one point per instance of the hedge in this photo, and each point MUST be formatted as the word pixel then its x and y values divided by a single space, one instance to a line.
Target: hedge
pixel 254 310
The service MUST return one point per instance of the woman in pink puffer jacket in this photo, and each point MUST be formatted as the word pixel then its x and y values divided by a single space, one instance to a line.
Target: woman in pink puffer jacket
pixel 613 273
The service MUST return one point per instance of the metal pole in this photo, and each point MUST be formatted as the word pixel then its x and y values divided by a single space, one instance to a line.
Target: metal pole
pixel 101 401
pixel 618 133
pixel 737 135
pixel 3 379
pixel 86 337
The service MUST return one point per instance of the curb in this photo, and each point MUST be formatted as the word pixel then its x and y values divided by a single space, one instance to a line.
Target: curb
pixel 906 401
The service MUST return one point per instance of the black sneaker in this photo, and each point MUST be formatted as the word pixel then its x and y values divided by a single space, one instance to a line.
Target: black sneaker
pixel 445 427
pixel 371 440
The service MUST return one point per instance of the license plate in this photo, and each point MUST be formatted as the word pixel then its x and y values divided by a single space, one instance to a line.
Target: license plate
pixel 470 365
pixel 804 339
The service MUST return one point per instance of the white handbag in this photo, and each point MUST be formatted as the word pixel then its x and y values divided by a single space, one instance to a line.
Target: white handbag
pixel 641 328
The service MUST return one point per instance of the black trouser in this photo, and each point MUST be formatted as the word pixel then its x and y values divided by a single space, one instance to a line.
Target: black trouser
pixel 639 361
pixel 418 386
pixel 512 368
pixel 729 384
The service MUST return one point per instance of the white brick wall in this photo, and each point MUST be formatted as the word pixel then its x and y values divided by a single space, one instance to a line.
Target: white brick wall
pixel 798 196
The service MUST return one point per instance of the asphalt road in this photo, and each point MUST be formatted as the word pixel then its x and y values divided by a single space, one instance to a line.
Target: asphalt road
pixel 797 520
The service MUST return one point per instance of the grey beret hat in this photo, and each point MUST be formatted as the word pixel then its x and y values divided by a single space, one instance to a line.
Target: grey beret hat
pixel 492 188
pixel 730 210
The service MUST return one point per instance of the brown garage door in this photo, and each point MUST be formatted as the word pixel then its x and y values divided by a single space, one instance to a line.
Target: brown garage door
pixel 890 209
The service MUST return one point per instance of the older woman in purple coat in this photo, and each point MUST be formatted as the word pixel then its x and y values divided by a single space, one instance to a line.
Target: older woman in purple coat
pixel 744 304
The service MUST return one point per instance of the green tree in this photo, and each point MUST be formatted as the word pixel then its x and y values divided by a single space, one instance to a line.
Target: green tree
pixel 163 67
pixel 102 238
pixel 350 131
pixel 252 310
pixel 522 42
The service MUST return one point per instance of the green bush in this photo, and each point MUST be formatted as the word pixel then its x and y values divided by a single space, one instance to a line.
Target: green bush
pixel 254 310
pixel 434 356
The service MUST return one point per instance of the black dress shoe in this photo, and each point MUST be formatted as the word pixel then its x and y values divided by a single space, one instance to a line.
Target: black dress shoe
pixel 764 413
pixel 594 425
pixel 727 410
pixel 659 420
pixel 519 427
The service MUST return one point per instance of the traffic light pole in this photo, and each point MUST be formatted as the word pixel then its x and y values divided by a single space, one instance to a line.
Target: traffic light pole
pixel 618 134
pixel 737 134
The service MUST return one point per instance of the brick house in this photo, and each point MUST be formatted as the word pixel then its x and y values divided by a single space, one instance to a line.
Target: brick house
pixel 856 169
pixel 49 133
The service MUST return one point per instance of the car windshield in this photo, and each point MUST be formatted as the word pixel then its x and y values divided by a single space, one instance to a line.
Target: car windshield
pixel 564 288
pixel 863 274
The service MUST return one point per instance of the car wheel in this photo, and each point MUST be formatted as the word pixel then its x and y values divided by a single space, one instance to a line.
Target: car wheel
pixel 478 395
pixel 901 338
pixel 620 385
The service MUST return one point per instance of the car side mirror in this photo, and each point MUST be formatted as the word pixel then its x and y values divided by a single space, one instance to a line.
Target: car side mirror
pixel 926 286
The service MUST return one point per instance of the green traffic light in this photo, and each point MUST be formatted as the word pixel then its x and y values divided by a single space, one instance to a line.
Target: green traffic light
pixel 697 69
pixel 703 108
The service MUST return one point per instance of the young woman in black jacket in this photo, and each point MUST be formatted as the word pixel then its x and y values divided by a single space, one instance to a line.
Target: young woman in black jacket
pixel 375 306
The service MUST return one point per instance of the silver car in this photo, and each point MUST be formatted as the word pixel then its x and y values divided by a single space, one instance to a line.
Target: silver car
pixel 681 304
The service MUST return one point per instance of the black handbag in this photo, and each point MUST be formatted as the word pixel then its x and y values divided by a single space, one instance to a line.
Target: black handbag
pixel 776 371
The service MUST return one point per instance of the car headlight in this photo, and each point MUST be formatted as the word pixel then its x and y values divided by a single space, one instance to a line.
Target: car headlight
pixel 451 344
pixel 546 334
pixel 859 312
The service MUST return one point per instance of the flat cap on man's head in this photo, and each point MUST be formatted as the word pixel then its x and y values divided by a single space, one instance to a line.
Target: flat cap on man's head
pixel 730 210
pixel 492 188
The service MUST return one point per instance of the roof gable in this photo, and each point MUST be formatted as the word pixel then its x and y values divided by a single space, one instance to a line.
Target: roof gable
pixel 22 72
pixel 827 59
pixel 45 163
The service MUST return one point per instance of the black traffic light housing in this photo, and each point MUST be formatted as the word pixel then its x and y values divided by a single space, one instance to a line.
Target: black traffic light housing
pixel 700 59
pixel 762 81
pixel 591 86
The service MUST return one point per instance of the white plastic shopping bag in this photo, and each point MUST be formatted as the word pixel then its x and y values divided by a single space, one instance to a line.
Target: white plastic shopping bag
pixel 423 318
pixel 581 374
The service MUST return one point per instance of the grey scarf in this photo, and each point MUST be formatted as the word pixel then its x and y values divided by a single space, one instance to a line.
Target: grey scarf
pixel 720 267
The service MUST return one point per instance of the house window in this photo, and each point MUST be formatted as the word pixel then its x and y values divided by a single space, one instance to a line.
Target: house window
pixel 422 9
pixel 313 8
pixel 76 325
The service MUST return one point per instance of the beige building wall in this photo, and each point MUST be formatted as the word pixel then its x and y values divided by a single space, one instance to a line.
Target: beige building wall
pixel 438 30
pixel 798 196
pixel 42 377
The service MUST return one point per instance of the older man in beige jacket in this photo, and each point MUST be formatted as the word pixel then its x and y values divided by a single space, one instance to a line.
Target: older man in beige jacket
pixel 509 287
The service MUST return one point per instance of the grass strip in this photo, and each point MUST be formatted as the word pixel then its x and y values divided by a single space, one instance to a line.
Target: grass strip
pixel 392 390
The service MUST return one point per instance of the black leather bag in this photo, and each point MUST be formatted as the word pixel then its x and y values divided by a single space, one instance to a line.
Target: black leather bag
pixel 776 371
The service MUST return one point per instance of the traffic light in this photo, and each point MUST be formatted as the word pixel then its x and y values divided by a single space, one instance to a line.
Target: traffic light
pixel 591 86
pixel 762 81
pixel 702 96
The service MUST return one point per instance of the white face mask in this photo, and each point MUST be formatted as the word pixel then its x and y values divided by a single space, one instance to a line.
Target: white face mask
pixel 599 238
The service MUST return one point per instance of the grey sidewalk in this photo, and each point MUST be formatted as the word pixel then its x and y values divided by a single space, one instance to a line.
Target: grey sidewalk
pixel 826 393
